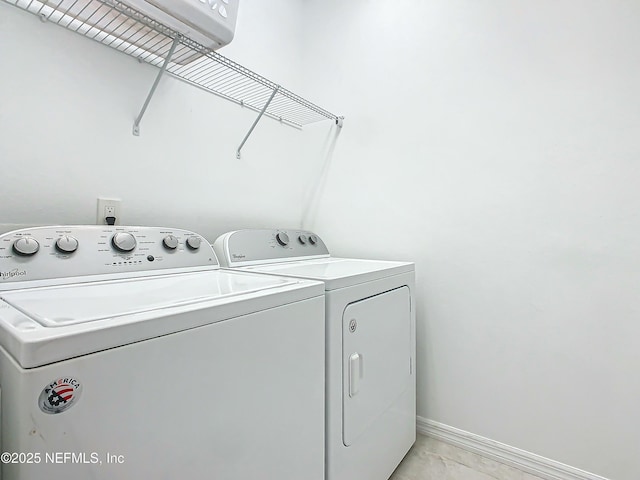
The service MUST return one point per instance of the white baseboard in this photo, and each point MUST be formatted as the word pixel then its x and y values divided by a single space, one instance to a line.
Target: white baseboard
pixel 514 457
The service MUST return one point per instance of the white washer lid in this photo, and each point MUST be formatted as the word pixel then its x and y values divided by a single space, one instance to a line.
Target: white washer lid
pixel 336 272
pixel 47 324
pixel 64 305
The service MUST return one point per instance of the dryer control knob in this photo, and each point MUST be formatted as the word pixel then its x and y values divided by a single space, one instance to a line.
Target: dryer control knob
pixel 302 239
pixel 313 239
pixel 170 242
pixel 26 246
pixel 67 244
pixel 283 239
pixel 124 242
pixel 194 243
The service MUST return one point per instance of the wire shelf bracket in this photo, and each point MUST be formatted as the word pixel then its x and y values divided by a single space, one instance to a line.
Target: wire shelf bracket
pixel 246 137
pixel 136 124
pixel 115 24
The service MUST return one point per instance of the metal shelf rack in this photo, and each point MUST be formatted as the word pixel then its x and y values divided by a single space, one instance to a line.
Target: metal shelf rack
pixel 119 26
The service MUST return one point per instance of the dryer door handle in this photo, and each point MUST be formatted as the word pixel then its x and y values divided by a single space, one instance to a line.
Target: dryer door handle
pixel 355 373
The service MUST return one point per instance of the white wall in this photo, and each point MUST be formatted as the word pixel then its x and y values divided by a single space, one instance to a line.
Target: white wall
pixel 67 108
pixel 497 145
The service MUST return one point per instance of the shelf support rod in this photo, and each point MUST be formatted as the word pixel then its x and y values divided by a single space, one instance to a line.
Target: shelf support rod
pixel 264 109
pixel 136 124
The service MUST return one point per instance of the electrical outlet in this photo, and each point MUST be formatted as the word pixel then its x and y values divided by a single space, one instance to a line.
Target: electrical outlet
pixel 108 207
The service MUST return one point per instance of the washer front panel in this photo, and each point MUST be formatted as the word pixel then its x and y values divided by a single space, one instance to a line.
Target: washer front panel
pixel 54 253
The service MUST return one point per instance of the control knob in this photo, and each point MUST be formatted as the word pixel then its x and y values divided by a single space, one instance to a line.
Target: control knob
pixel 123 242
pixel 170 242
pixel 283 239
pixel 67 244
pixel 313 239
pixel 302 239
pixel 194 243
pixel 26 246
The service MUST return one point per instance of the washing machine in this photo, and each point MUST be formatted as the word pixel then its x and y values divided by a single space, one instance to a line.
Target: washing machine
pixel 370 349
pixel 127 353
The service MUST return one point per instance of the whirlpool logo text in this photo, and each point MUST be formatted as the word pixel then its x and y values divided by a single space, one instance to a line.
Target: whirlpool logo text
pixel 12 273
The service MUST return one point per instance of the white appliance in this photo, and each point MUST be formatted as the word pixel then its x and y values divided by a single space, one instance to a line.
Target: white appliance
pixel 370 352
pixel 211 23
pixel 126 353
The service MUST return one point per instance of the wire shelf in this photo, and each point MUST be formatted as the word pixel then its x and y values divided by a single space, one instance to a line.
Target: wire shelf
pixel 119 26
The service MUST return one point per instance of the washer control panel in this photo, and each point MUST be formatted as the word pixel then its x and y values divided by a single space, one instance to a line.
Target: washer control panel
pixel 248 247
pixel 47 253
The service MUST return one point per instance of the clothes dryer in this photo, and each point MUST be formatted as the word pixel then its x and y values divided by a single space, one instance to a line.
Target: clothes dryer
pixel 370 349
pixel 126 353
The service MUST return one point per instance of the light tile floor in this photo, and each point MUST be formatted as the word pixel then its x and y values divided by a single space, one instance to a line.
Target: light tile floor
pixel 431 459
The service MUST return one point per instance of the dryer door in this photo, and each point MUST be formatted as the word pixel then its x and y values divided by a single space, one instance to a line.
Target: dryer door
pixel 376 358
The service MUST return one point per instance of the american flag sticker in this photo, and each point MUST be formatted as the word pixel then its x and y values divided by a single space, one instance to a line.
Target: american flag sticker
pixel 59 395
